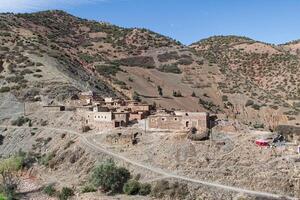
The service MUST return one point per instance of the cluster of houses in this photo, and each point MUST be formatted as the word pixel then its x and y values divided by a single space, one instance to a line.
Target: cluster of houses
pixel 100 113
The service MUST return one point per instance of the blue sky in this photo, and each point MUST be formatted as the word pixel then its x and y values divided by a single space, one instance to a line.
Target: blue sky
pixel 272 21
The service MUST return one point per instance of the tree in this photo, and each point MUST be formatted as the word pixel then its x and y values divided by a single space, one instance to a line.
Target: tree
pixel 177 94
pixel 160 90
pixel 110 177
pixel 132 187
pixel 145 189
pixel 136 96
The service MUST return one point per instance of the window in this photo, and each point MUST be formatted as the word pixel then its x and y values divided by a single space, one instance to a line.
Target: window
pixel 163 119
pixel 175 118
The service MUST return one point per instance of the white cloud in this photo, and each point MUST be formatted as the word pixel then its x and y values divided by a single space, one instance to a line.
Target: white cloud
pixel 34 5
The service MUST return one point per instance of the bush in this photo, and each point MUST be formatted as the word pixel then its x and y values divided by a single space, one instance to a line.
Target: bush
pixel 46 159
pixel 256 106
pixel 9 181
pixel 85 129
pixel 145 189
pixel 138 61
pixel 65 193
pixel 177 94
pixel 4 89
pixel 249 103
pixel 132 187
pixel 160 90
pixel 170 68
pixel 49 190
pixel 20 121
pixel 107 70
pixel 110 177
pixel 136 96
pixel 2 197
pixel 165 57
pixel 1 139
pixel 174 190
pixel 88 189
pixel 224 98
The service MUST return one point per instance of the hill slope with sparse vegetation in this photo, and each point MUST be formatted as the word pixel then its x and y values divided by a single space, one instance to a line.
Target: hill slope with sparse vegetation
pixel 55 54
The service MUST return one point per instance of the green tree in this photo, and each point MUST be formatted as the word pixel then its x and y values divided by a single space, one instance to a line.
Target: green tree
pixel 136 96
pixel 160 90
pixel 145 189
pixel 110 177
pixel 132 187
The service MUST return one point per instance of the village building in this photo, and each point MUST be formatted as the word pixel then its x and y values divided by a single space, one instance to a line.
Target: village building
pixel 102 117
pixel 179 120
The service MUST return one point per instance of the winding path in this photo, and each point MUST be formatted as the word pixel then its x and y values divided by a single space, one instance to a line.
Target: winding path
pixel 98 148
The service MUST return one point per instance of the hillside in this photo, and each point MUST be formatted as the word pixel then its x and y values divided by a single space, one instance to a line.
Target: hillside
pixel 267 74
pixel 54 54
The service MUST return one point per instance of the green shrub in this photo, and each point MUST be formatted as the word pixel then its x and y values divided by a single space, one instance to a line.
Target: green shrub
pixel 110 177
pixel 2 197
pixel 132 187
pixel 145 189
pixel 136 96
pixel 20 121
pixel 65 193
pixel 258 125
pixel 44 160
pixel 160 90
pixel 49 190
pixel 107 70
pixel 165 57
pixel 170 68
pixel 185 60
pixel 177 94
pixel 138 61
pixel 118 82
pixel 224 98
pixel 88 189
pixel 174 190
pixel 249 103
pixel 4 89
pixel 256 106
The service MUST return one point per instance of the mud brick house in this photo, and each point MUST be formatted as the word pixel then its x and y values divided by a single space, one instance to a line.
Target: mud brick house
pixel 88 97
pixel 179 120
pixel 104 118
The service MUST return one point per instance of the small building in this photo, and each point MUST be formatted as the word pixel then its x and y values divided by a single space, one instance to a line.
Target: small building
pixel 101 118
pixel 179 121
pixel 88 97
